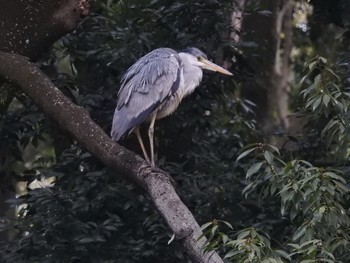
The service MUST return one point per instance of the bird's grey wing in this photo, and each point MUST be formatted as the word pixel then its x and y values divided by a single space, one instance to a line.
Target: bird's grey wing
pixel 146 84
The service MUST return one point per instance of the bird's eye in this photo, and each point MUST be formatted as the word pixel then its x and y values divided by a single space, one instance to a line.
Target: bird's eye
pixel 199 58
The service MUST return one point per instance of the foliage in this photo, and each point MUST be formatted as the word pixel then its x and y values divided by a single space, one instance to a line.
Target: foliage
pixel 312 197
pixel 249 245
pixel 89 216
pixel 327 97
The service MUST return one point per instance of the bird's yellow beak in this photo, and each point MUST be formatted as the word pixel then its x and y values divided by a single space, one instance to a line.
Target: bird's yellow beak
pixel 213 67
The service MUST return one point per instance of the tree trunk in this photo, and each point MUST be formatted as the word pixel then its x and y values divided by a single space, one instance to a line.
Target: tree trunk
pixel 269 89
pixel 236 20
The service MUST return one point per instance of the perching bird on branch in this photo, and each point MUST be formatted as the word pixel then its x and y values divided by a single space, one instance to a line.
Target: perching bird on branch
pixel 154 86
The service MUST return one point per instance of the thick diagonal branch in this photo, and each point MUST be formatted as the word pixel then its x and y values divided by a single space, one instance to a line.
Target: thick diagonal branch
pixel 76 121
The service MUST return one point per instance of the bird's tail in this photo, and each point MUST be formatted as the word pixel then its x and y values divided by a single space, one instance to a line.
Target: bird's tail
pixel 119 125
pixel 124 121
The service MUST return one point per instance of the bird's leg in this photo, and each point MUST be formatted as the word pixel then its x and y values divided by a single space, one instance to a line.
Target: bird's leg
pixel 151 137
pixel 138 135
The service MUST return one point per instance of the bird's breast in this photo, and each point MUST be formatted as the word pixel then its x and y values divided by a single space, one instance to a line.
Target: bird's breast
pixel 168 106
pixel 190 79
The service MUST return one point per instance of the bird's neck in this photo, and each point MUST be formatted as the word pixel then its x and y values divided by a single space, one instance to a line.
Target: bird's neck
pixel 192 75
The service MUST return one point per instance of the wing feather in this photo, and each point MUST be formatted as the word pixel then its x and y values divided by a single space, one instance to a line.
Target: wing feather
pixel 145 85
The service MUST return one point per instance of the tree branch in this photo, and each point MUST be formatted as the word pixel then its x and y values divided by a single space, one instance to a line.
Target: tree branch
pixel 76 121
pixel 29 27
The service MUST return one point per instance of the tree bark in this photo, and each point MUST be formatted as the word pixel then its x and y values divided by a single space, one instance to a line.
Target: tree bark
pixel 76 121
pixel 29 27
pixel 236 20
pixel 283 38
pixel 269 90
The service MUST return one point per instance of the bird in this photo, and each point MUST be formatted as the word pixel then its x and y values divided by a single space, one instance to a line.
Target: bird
pixel 153 87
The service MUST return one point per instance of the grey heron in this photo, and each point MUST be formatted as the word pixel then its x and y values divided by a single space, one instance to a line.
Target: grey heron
pixel 153 87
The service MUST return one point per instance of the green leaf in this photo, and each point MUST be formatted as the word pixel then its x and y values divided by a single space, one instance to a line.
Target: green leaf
pixel 274 148
pixel 323 59
pixel 247 188
pixel 245 154
pixel 312 65
pixel 86 240
pixel 243 234
pixel 206 225
pixel 332 72
pixel 269 157
pixel 171 239
pixel 253 169
pixel 295 187
pixel 214 230
pixel 227 224
pixel 316 103
pixel 224 239
pixel 233 253
pixel 271 260
pixel 295 246
pixel 341 186
pixel 325 99
pixel 300 232
pixel 282 253
pixel 334 176
pixel 310 102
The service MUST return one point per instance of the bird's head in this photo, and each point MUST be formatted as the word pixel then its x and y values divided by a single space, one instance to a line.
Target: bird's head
pixel 198 58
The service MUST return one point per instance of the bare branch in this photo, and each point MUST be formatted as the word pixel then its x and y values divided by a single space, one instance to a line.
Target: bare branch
pixel 76 121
